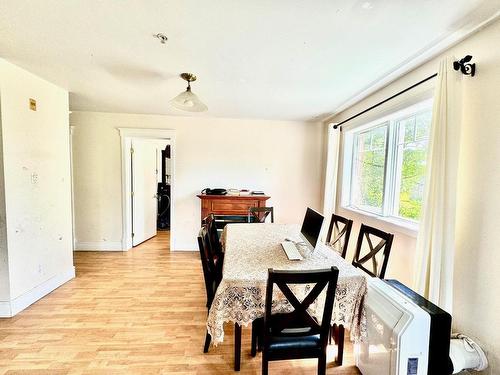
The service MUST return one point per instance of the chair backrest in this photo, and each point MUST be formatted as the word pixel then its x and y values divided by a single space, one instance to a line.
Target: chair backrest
pixel 207 263
pixel 300 322
pixel 212 235
pixel 339 233
pixel 373 259
pixel 260 214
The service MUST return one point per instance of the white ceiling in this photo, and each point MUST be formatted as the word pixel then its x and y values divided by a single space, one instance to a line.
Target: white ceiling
pixel 274 59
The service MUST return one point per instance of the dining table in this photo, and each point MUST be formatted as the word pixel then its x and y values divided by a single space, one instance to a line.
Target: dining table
pixel 250 250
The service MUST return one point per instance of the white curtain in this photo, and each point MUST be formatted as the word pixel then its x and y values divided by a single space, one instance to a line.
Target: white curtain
pixel 436 238
pixel 332 161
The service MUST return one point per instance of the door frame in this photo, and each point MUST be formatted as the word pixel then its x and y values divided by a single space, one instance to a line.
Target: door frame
pixel 126 135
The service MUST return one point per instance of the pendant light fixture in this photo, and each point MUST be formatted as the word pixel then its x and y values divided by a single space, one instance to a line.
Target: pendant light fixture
pixel 187 100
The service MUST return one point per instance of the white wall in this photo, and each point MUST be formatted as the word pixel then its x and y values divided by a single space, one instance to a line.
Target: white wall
pixel 36 172
pixel 4 262
pixel 477 263
pixel 282 158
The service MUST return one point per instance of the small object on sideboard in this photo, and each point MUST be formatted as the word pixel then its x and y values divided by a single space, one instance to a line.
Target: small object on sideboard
pixel 257 192
pixel 233 192
pixel 217 191
pixel 244 192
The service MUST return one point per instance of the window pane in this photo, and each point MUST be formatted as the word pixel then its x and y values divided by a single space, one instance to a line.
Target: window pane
pixel 365 141
pixel 423 125
pixel 367 185
pixel 412 157
pixel 378 138
pixel 409 129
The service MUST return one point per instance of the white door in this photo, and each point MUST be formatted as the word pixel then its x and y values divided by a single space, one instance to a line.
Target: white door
pixel 144 190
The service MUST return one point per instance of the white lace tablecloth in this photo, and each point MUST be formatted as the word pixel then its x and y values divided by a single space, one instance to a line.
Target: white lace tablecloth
pixel 250 250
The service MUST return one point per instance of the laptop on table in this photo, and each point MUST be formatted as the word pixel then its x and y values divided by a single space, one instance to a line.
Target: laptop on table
pixel 309 235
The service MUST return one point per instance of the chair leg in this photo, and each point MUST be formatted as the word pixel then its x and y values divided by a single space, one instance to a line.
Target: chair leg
pixel 265 364
pixel 237 346
pixel 322 364
pixel 255 332
pixel 257 335
pixel 333 330
pixel 340 344
pixel 208 338
pixel 260 338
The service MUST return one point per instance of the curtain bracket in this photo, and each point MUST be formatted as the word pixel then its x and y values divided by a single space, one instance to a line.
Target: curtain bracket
pixel 465 66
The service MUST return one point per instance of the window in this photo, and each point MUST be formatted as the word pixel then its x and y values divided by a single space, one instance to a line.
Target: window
pixel 385 164
pixel 368 169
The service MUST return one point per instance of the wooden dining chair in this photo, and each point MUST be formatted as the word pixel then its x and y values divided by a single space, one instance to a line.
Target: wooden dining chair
pixel 339 233
pixel 214 240
pixel 260 214
pixel 298 334
pixel 372 259
pixel 210 273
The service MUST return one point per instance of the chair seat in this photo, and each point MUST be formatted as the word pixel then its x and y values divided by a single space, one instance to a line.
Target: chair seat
pixel 222 221
pixel 279 343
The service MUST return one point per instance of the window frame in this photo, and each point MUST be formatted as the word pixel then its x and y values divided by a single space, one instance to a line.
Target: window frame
pixel 390 195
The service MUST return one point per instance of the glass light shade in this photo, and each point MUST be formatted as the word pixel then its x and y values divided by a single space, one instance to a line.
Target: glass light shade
pixel 188 101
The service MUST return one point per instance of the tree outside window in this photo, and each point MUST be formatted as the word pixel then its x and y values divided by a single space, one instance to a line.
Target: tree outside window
pixel 388 164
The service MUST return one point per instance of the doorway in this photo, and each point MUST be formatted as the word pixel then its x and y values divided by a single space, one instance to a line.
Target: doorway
pixel 147 185
pixel 164 191
pixel 150 188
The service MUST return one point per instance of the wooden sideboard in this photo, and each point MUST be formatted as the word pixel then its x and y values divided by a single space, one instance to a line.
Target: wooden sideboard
pixel 228 205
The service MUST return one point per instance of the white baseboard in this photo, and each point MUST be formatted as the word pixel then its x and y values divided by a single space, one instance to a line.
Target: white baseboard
pixel 98 246
pixel 5 311
pixel 185 247
pixel 12 307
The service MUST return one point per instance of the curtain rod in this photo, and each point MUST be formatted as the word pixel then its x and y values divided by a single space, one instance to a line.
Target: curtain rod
pixel 463 65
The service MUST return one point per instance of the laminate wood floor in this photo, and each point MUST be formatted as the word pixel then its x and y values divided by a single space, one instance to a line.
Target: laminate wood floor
pixel 139 312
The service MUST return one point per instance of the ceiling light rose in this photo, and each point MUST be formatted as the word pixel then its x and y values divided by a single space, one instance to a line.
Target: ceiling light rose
pixel 187 100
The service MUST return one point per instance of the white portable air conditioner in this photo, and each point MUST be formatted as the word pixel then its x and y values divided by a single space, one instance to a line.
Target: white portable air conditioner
pixel 407 335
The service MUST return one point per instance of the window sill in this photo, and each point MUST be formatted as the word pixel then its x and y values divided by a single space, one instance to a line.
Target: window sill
pixel 391 223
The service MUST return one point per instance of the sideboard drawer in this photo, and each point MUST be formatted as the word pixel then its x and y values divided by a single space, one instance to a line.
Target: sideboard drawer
pixel 230 205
